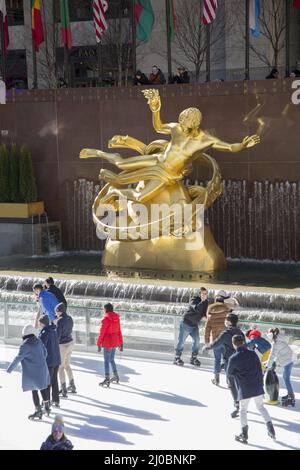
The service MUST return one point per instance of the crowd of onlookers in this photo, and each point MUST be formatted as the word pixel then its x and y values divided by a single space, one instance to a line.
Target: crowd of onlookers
pixel 157 77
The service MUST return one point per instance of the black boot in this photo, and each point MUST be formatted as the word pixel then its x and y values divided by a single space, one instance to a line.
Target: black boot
pixel 216 380
pixel 194 360
pixel 178 361
pixel 271 430
pixel 37 414
pixel 106 382
pixel 71 388
pixel 243 437
pixel 288 400
pixel 235 413
pixel 115 378
pixel 63 390
pixel 47 408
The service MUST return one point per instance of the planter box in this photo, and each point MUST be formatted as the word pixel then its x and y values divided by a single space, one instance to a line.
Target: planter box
pixel 21 210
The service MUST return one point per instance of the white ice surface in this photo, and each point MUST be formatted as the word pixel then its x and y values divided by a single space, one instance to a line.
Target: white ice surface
pixel 156 406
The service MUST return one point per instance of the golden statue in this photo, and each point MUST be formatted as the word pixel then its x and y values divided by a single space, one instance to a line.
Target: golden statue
pixel 158 174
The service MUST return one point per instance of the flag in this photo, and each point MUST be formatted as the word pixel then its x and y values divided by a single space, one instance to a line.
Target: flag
pixel 254 14
pixel 99 9
pixel 65 26
pixel 144 19
pixel 5 23
pixel 172 18
pixel 296 4
pixel 209 11
pixel 36 24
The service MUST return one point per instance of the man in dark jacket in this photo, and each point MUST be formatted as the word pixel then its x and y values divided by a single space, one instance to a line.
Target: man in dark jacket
pixel 244 366
pixel 64 333
pixel 51 287
pixel 49 337
pixel 225 340
pixel 189 325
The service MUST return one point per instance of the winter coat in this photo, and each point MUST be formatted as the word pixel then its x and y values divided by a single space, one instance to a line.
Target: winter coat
pixel 143 80
pixel 181 78
pixel 110 335
pixel 58 294
pixel 195 311
pixel 49 337
pixel 245 367
pixel 62 444
pixel 64 328
pixel 225 339
pixel 216 314
pixel 280 352
pixel 32 355
pixel 157 79
pixel 256 341
pixel 48 302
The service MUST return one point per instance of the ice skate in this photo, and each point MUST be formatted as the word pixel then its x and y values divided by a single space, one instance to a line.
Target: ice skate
pixel 71 388
pixel 195 361
pixel 178 361
pixel 243 437
pixel 115 378
pixel 38 414
pixel 216 380
pixel 106 382
pixel 288 400
pixel 271 430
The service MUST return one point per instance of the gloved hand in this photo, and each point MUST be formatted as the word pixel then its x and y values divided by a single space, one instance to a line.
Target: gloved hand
pixel 205 348
pixel 273 366
pixel 121 348
pixel 99 349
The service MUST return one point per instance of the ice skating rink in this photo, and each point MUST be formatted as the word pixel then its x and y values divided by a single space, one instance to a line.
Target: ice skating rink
pixel 156 405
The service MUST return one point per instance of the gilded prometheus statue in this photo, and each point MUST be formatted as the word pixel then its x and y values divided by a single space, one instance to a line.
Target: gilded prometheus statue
pixel 158 173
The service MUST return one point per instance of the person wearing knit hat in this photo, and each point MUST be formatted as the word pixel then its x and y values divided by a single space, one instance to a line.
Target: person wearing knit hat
pixel 57 439
pixel 35 375
pixel 49 337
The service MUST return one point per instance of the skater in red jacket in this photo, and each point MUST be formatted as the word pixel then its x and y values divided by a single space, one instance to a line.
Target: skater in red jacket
pixel 109 339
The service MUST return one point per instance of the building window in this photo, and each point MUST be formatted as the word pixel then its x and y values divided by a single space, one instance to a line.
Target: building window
pixel 15 12
pixel 16 69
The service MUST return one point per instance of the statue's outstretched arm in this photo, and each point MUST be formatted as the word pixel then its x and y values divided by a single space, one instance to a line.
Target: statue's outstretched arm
pixel 248 142
pixel 152 95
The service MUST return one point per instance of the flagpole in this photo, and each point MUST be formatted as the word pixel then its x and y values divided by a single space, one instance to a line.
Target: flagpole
pixel 100 64
pixel 287 37
pixel 247 42
pixel 169 52
pixel 3 65
pixel 133 27
pixel 34 64
pixel 66 65
pixel 207 52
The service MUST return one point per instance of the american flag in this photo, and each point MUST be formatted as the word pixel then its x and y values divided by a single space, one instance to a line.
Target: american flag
pixel 99 9
pixel 209 11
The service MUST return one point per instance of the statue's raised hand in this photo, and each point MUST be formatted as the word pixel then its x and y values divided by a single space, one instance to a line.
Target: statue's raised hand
pixel 88 153
pixel 250 141
pixel 152 95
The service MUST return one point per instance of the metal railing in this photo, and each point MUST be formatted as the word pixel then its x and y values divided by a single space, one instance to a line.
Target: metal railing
pixel 151 331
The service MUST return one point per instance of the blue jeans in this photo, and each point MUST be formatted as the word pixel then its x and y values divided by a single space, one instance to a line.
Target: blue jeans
pixel 286 377
pixel 184 331
pixel 218 358
pixel 109 358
